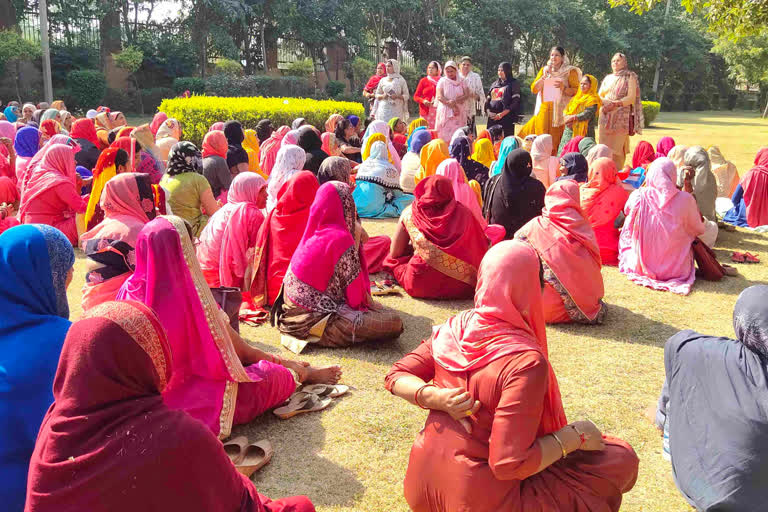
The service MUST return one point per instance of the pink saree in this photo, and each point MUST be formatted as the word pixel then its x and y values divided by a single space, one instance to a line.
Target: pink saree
pixel 662 222
pixel 209 381
pixel 231 232
pixel 570 256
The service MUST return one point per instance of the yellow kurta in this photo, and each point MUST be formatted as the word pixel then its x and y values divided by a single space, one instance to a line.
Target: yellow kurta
pixel 541 123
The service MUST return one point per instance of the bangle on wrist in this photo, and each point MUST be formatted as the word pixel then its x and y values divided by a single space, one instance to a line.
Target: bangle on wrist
pixel 562 446
pixel 418 392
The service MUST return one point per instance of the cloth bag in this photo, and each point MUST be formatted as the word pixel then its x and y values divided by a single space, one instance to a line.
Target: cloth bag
pixel 706 261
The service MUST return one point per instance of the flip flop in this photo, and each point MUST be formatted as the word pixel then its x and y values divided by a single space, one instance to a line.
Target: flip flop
pixel 307 403
pixel 738 257
pixel 321 390
pixel 751 258
pixel 235 449
pixel 256 456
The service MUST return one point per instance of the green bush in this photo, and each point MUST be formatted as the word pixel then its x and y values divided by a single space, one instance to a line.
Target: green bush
pixel 650 111
pixel 335 89
pixel 87 88
pixel 258 85
pixel 302 68
pixel 198 113
pixel 192 84
pixel 362 70
pixel 229 67
pixel 411 76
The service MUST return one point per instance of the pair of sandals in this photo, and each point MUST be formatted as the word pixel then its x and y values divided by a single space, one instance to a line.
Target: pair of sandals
pixel 311 398
pixel 385 287
pixel 248 457
pixel 744 257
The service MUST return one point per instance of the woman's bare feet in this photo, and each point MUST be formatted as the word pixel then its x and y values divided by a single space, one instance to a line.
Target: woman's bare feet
pixel 323 375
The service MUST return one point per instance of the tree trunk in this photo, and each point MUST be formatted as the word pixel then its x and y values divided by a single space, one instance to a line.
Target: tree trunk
pixel 7 14
pixel 109 33
pixel 138 94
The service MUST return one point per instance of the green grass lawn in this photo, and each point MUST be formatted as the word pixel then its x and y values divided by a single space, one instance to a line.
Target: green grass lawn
pixel 352 457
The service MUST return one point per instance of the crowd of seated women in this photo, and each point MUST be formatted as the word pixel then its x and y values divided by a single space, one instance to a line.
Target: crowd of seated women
pixel 269 220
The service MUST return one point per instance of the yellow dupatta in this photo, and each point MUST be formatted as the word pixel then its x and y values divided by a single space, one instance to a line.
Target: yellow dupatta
pixel 416 123
pixel 431 156
pixel 484 152
pixel 373 138
pixel 98 187
pixel 251 146
pixel 581 101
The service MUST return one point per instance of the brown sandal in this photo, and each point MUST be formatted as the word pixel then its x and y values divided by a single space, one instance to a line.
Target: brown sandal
pixel 306 402
pixel 235 449
pixel 256 456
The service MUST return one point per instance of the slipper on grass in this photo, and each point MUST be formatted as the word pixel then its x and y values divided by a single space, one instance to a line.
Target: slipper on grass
pixel 738 257
pixel 333 391
pixel 255 456
pixel 235 449
pixel 751 258
pixel 307 402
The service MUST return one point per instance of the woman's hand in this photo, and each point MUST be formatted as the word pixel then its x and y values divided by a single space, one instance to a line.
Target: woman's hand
pixel 457 402
pixel 593 438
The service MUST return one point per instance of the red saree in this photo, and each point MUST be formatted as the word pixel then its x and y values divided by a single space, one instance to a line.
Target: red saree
pixel 569 254
pixel 279 236
pixel 448 244
pixel 602 199
pixel 133 452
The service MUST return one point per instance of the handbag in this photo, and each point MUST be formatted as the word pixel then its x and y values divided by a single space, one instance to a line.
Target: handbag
pixel 229 300
pixel 706 261
pixel 631 120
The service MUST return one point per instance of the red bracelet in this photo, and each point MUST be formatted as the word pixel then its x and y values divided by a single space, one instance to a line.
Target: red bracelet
pixel 581 435
pixel 416 395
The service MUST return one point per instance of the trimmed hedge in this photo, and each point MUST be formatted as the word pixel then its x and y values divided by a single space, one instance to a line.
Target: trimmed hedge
pixel 198 113
pixel 86 88
pixel 650 111
pixel 258 85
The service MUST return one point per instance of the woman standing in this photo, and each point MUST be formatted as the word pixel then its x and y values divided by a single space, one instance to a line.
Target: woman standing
pixel 392 95
pixel 549 115
pixel 622 112
pixel 581 113
pixel 503 103
pixel 425 93
pixel 452 104
pixel 369 91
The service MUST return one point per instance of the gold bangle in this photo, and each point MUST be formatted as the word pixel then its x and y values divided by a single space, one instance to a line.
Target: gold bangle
pixel 562 446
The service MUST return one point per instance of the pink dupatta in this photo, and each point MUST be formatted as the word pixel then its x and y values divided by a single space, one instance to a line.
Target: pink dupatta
pixel 268 150
pixel 568 249
pixel 57 169
pixel 206 369
pixel 328 269
pixel 462 192
pixel 231 232
pixel 508 318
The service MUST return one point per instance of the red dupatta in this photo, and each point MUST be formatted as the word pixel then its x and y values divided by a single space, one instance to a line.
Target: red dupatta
pixel 755 185
pixel 567 245
pixel 643 155
pixel 373 82
pixel 602 196
pixel 108 443
pixel 450 227
pixel 508 318
pixel 287 221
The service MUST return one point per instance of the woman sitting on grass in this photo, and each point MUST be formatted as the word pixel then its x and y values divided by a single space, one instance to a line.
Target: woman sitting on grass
pixel 602 201
pixel 662 222
pixel 136 452
pixel 377 185
pixel 438 244
pixel 715 396
pixel 751 197
pixel 566 244
pixel 326 295
pixel 217 378
pixel 497 437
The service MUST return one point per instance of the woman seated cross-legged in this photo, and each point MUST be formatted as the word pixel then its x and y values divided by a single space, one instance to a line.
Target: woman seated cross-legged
pixel 566 244
pixel 662 222
pixel 497 437
pixel 714 410
pixel 438 244
pixel 377 185
pixel 218 378
pixel 326 293
pixel 109 443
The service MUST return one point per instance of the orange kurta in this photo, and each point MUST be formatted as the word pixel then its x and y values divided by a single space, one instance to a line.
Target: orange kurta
pixel 493 468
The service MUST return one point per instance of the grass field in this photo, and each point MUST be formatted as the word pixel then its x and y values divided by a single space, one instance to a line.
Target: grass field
pixel 352 457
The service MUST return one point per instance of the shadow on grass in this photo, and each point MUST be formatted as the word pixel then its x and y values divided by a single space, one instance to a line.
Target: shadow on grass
pixel 624 326
pixel 297 467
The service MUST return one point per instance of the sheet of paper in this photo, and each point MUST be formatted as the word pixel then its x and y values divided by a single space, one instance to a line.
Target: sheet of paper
pixel 550 92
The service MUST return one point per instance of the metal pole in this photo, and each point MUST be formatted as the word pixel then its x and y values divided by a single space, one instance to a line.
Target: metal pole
pixel 47 84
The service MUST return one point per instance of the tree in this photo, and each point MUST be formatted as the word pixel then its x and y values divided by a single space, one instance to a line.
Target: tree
pixel 130 60
pixel 747 59
pixel 13 49
pixel 736 18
